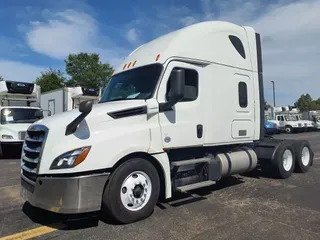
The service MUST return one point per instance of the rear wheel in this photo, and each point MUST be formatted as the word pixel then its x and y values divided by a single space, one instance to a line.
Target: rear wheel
pixel 284 160
pixel 304 156
pixel 132 191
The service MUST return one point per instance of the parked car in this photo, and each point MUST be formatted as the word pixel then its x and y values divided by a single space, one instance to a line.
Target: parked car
pixel 271 128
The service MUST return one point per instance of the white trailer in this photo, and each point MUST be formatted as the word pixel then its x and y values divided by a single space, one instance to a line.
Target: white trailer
pixel 180 113
pixel 19 108
pixel 66 99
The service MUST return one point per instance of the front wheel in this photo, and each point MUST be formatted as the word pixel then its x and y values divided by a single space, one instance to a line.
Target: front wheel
pixel 132 191
pixel 288 129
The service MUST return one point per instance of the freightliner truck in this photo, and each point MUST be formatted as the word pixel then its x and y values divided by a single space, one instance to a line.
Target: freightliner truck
pixel 180 113
pixel 19 108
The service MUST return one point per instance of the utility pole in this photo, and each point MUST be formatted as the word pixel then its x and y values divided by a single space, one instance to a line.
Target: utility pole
pixel 274 95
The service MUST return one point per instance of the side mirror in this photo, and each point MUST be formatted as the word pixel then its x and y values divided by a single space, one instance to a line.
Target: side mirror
pixel 177 87
pixel 177 82
pixel 38 114
pixel 85 107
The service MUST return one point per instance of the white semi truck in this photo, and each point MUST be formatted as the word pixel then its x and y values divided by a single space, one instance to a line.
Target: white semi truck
pixel 67 98
pixel 19 108
pixel 180 113
pixel 288 123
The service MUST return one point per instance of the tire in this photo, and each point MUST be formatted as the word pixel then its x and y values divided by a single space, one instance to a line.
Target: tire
pixel 284 168
pixel 288 129
pixel 304 156
pixel 117 198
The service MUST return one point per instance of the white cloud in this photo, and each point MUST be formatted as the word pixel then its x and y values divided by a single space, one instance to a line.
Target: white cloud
pixel 63 33
pixel 18 71
pixel 291 54
pixel 132 36
pixel 68 32
pixel 289 31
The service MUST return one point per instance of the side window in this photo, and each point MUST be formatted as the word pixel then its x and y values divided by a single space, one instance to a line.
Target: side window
pixel 236 42
pixel 278 118
pixel 243 94
pixel 191 86
pixel 282 118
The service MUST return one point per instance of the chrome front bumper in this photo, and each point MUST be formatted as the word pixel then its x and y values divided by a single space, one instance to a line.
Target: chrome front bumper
pixel 65 194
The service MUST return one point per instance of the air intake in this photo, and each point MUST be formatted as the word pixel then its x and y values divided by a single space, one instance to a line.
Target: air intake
pixel 128 112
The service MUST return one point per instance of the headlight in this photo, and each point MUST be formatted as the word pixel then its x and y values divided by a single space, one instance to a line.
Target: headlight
pixel 70 159
pixel 5 136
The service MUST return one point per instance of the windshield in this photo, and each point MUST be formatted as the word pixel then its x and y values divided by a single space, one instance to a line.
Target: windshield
pixel 18 115
pixel 138 83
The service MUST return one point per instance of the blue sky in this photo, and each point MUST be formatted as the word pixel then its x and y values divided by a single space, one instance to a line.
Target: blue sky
pixel 38 34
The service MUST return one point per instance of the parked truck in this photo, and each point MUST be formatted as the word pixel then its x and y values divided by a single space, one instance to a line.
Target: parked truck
pixel 19 108
pixel 288 123
pixel 67 98
pixel 313 116
pixel 180 113
pixel 308 125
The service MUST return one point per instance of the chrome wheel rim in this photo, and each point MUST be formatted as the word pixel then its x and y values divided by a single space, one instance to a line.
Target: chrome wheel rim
pixel 135 191
pixel 305 156
pixel 287 160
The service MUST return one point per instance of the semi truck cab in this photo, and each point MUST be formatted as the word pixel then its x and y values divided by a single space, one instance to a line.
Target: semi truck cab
pixel 180 113
pixel 19 108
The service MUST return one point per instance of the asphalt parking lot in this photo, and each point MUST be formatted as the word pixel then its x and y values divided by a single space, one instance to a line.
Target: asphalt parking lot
pixel 239 207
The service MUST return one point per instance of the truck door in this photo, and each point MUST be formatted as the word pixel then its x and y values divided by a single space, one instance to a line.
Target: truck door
pixel 183 125
pixel 281 119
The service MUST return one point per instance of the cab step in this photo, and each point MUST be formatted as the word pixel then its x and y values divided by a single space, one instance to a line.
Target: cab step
pixel 193 186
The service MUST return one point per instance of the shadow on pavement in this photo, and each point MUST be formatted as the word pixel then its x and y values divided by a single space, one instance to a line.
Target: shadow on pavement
pixel 180 199
pixel 60 221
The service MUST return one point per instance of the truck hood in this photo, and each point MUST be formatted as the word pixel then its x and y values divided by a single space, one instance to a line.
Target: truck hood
pixel 15 127
pixel 98 114
pixel 109 136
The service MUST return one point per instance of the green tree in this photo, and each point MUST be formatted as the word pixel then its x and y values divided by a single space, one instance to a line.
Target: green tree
pixel 50 80
pixel 303 103
pixel 87 70
pixel 306 103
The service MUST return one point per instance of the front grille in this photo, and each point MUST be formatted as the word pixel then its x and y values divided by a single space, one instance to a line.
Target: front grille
pixel 32 149
pixel 22 135
pixel 300 125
